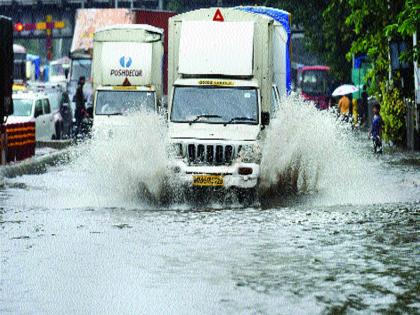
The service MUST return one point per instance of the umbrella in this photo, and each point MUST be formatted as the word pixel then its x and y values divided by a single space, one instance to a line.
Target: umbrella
pixel 344 90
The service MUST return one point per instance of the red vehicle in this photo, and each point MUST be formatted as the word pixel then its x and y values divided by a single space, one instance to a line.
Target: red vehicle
pixel 314 83
pixel 158 19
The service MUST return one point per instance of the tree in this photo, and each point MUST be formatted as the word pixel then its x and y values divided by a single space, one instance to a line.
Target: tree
pixel 175 5
pixel 377 23
pixel 325 29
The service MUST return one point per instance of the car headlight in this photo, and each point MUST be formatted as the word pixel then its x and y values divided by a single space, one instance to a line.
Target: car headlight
pixel 249 153
pixel 175 150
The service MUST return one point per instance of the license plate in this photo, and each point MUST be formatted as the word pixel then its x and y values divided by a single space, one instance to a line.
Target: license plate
pixel 207 180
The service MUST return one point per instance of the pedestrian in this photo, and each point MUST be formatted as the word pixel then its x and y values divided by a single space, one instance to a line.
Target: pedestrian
pixel 375 132
pixel 79 99
pixel 66 114
pixel 355 113
pixel 344 107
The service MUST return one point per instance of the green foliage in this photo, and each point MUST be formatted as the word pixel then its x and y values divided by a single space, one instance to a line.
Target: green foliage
pixel 376 23
pixel 325 29
pixel 393 110
pixel 175 5
pixel 408 20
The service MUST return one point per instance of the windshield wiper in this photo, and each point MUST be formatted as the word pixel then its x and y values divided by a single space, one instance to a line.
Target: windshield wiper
pixel 241 119
pixel 113 114
pixel 203 116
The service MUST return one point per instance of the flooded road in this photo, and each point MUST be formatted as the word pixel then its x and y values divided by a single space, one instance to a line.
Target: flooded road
pixel 75 241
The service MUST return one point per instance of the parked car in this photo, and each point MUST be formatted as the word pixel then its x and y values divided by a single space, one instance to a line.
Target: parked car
pixel 29 106
pixel 60 107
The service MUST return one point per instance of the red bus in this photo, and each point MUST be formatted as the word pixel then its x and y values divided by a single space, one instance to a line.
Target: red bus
pixel 314 84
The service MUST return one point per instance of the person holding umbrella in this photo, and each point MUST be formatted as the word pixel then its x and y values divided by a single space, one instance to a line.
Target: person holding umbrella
pixel 344 107
pixel 344 103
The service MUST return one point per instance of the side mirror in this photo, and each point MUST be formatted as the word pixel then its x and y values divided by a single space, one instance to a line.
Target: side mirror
pixel 265 118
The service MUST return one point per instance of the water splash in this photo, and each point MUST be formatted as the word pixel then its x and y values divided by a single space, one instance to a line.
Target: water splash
pixel 310 156
pixel 313 152
pixel 122 165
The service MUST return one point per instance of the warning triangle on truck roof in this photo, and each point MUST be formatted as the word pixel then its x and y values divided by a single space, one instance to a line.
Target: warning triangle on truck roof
pixel 218 17
pixel 126 82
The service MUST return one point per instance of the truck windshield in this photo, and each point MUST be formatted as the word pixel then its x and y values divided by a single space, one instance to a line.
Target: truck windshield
pixel 315 82
pixel 22 107
pixel 80 68
pixel 215 105
pixel 121 102
pixel 57 69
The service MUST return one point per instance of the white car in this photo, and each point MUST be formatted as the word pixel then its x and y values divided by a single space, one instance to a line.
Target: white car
pixel 29 106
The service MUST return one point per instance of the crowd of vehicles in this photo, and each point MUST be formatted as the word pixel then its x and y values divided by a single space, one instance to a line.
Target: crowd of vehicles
pixel 221 91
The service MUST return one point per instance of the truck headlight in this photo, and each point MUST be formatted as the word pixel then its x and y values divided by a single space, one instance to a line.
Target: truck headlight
pixel 249 153
pixel 175 150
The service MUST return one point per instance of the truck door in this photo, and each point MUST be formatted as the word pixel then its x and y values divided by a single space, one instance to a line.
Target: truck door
pixel 39 121
pixel 49 123
pixel 275 99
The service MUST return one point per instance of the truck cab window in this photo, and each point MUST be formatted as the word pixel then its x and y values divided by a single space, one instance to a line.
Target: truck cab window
pixel 215 105
pixel 274 99
pixel 46 106
pixel 123 102
pixel 38 108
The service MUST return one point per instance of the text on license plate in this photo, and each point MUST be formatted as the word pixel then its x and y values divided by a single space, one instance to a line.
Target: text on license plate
pixel 207 180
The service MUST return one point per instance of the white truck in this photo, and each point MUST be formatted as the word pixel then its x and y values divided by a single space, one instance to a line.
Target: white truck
pixel 127 70
pixel 228 69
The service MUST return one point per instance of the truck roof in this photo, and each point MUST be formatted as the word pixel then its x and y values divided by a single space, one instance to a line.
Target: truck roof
pixel 19 49
pixel 229 15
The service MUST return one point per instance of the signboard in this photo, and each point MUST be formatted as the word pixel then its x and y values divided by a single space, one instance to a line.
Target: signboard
pixel 125 63
pixel 216 48
pixel 88 21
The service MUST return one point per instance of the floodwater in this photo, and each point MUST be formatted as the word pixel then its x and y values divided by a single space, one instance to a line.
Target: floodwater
pixel 336 230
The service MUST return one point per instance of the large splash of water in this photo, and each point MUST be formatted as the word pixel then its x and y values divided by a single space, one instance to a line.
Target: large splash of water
pixel 308 153
pixel 122 165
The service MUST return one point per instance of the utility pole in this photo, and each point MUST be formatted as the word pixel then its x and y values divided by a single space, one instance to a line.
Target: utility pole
pixel 416 127
pixel 161 4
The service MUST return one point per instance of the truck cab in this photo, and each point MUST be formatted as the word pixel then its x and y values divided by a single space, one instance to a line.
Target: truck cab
pixel 225 74
pixel 127 71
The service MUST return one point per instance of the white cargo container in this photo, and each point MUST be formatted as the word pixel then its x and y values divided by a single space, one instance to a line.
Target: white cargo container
pixel 127 70
pixel 227 71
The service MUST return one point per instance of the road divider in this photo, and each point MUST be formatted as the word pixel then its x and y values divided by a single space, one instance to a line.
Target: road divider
pixel 20 141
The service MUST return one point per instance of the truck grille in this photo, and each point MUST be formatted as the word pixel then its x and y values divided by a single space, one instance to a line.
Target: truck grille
pixel 213 154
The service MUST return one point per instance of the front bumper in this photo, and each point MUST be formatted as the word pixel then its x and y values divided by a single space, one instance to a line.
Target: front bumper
pixel 183 174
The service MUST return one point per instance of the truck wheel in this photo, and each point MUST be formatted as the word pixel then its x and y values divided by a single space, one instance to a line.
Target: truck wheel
pixel 248 197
